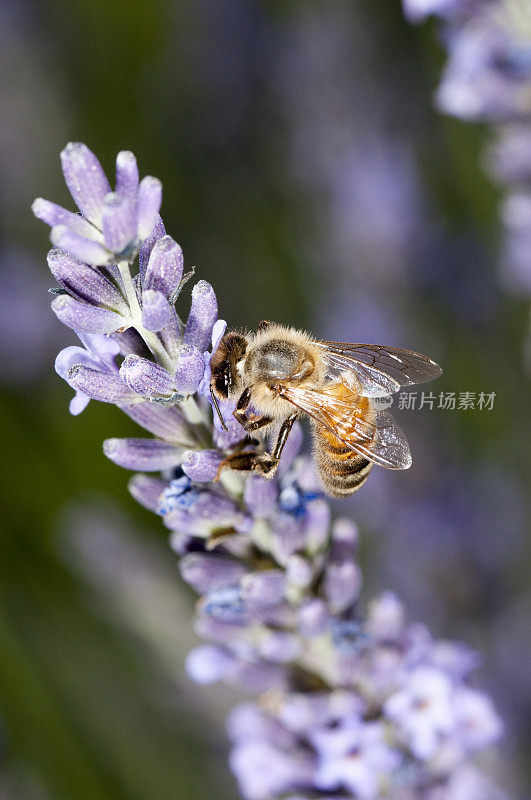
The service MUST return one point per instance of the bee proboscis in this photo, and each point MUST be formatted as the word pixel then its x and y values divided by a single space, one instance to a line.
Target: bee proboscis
pixel 281 373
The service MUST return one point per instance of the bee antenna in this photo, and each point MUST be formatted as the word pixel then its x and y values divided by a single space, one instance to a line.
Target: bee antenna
pixel 216 406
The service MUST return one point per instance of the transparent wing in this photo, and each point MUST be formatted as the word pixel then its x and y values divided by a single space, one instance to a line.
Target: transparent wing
pixel 374 434
pixel 379 370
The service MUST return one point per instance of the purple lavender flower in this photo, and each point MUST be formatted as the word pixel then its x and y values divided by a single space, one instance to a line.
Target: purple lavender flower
pixel 355 703
pixel 489 69
pixel 92 372
pixel 112 225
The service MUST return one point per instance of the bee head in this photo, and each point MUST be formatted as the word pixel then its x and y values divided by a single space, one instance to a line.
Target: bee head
pixel 223 364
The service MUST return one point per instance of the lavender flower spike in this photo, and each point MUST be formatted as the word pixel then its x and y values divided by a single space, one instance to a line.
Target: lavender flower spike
pixel 354 702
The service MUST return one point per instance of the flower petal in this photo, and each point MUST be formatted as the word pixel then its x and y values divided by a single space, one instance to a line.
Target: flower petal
pixel 54 215
pixel 203 315
pixel 190 369
pixel 84 282
pixel 148 204
pixel 165 267
pixel 126 175
pixel 146 378
pixel 86 250
pixel 119 228
pixel 201 465
pixel 156 311
pixel 157 233
pixel 85 179
pixel 147 490
pixel 150 455
pixel 207 573
pixel 100 385
pixel 81 317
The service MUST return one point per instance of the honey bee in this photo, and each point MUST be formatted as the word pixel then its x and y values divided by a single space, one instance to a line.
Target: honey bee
pixel 281 373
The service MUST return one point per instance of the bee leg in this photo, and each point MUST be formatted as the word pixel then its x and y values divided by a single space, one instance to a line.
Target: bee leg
pixel 284 432
pixel 264 463
pixel 246 462
pixel 254 422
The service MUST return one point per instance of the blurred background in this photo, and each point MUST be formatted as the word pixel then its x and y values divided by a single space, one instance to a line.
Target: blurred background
pixel 308 177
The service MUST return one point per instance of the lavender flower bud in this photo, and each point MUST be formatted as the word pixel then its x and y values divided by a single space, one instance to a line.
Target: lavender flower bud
pixel 477 722
pixel 147 246
pixel 209 664
pixel 86 250
pixel 118 222
pixel 203 314
pixel 278 646
pixel 190 369
pixel 264 588
pixel 85 179
pixel 313 618
pixel 342 584
pixel 207 573
pixel 146 378
pixel 165 267
pixel 299 571
pixel 147 490
pixel 150 455
pixel 317 525
pixel 100 385
pixel 344 531
pixel 148 203
pixel 126 175
pixel 171 335
pixel 260 495
pixel 55 215
pixel 385 618
pixel 85 283
pixel 81 317
pixel 226 605
pixel 156 311
pixel 201 465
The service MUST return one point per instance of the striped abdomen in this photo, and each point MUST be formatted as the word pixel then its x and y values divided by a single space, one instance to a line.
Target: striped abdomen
pixel 343 470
